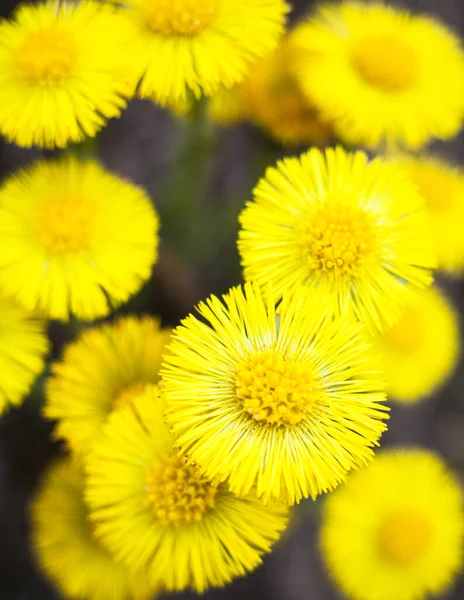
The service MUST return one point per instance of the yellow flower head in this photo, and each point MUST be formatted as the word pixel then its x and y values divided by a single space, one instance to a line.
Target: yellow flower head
pixel 61 71
pixel 66 548
pixel 422 349
pixel 282 402
pixel 157 512
pixel 75 238
pixel 442 187
pixel 395 529
pixel 382 74
pixel 108 366
pixel 200 45
pixel 335 221
pixel 277 104
pixel 23 346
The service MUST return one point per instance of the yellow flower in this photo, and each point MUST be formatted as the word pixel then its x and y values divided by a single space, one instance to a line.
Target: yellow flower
pixel 74 238
pixel 442 187
pixel 422 349
pixel 382 74
pixel 333 220
pixel 284 400
pixel 66 548
pixel 395 529
pixel 157 512
pixel 108 366
pixel 277 104
pixel 228 106
pixel 23 346
pixel 61 72
pixel 200 45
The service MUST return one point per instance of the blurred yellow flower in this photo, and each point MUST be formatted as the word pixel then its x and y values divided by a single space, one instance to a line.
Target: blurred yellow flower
pixel 108 366
pixel 277 104
pixel 338 222
pixel 200 45
pixel 442 187
pixel 66 547
pixel 395 529
pixel 158 513
pixel 228 106
pixel 422 349
pixel 74 238
pixel 61 71
pixel 382 74
pixel 281 402
pixel 23 347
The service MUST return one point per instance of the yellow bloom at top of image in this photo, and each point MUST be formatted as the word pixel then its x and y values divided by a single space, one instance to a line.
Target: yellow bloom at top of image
pixel 382 74
pixel 421 350
pixel 198 46
pixel 62 71
pixel 335 220
pixel 65 545
pixel 278 401
pixel 159 514
pixel 23 349
pixel 75 239
pixel 442 187
pixel 105 368
pixel 395 529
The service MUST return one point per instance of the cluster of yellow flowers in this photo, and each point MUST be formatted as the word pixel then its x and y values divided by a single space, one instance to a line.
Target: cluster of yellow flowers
pixel 188 446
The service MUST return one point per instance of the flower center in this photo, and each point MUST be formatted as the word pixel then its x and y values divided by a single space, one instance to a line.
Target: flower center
pixel 179 17
pixel 129 393
pixel 276 390
pixel 178 492
pixel 47 56
pixel 404 536
pixel 386 62
pixel 437 190
pixel 340 239
pixel 407 334
pixel 65 224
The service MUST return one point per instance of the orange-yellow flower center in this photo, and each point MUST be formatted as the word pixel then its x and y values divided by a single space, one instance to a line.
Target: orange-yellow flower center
pixel 127 394
pixel 339 239
pixel 408 333
pixel 47 56
pixel 177 491
pixel 404 536
pixel 276 390
pixel 65 224
pixel 179 17
pixel 385 61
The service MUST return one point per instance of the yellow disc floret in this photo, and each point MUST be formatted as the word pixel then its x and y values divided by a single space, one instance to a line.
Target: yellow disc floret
pixel 179 17
pixel 274 389
pixel 47 56
pixel 178 492
pixel 386 62
pixel 404 535
pixel 65 224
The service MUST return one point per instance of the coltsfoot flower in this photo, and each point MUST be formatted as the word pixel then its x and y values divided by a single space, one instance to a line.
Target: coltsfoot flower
pixel 335 221
pixel 75 239
pixel 281 402
pixel 395 529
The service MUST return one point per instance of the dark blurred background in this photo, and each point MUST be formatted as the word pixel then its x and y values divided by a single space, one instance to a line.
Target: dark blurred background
pixel 197 257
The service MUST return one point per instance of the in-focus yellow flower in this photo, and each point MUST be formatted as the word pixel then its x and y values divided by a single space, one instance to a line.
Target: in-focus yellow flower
pixel 66 548
pixel 277 104
pixel 382 74
pixel 108 366
pixel 442 187
pixel 158 513
pixel 335 221
pixel 395 529
pixel 23 346
pixel 75 239
pixel 422 349
pixel 196 46
pixel 61 71
pixel 279 401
